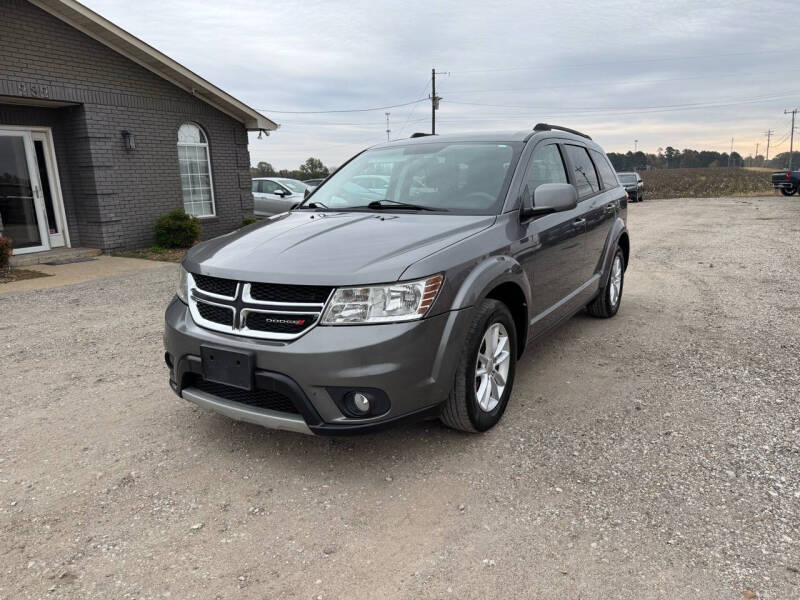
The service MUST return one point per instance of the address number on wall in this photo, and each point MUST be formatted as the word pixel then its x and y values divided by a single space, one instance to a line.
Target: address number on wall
pixel 33 89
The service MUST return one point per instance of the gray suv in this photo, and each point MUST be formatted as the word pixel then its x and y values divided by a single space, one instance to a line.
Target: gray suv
pixel 365 306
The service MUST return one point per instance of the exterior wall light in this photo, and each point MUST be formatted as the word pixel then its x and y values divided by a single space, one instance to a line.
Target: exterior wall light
pixel 130 141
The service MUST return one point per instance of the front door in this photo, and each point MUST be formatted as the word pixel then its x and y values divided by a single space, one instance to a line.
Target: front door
pixel 51 197
pixel 22 207
pixel 552 246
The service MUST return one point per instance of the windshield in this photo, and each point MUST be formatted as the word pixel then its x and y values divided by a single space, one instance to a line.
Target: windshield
pixel 296 186
pixel 626 177
pixel 460 178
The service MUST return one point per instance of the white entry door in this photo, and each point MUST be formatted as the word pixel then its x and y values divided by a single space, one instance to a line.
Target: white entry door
pixel 22 207
pixel 51 189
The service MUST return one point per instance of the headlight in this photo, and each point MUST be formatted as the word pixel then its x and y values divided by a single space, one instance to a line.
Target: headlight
pixel 183 285
pixel 402 301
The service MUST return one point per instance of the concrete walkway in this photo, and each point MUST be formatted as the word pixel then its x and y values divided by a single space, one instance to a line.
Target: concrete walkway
pixel 103 266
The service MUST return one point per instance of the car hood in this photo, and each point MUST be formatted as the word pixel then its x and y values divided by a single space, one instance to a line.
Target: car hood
pixel 318 248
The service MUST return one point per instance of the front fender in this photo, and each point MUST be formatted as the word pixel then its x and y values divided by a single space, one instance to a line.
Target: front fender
pixel 486 276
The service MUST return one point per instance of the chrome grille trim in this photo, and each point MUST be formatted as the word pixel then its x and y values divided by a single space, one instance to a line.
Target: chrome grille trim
pixel 240 312
pixel 198 318
pixel 248 298
pixel 212 294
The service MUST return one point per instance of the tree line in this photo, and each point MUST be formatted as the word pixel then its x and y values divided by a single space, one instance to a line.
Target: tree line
pixel 311 169
pixel 671 158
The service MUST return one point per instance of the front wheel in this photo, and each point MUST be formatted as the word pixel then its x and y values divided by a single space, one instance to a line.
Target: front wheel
pixel 607 302
pixel 485 373
pixel 788 191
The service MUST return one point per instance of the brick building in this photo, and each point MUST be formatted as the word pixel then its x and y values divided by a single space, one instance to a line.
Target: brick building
pixel 100 134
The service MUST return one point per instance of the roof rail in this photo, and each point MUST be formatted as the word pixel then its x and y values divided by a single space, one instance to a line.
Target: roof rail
pixel 420 134
pixel 547 127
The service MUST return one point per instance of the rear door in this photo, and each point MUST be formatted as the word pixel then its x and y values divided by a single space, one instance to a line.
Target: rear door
pixel 551 246
pixel 603 211
pixel 592 203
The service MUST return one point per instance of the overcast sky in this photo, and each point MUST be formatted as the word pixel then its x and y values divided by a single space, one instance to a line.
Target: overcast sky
pixel 666 73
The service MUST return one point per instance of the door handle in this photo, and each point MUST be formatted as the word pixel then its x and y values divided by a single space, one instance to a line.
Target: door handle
pixel 610 208
pixel 579 221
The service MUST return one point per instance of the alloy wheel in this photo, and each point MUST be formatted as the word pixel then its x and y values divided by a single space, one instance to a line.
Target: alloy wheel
pixel 492 366
pixel 615 282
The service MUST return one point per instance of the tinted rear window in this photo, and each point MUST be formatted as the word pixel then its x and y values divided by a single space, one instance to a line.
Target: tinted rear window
pixel 607 175
pixel 583 171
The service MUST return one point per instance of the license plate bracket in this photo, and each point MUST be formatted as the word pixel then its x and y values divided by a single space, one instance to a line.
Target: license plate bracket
pixel 228 367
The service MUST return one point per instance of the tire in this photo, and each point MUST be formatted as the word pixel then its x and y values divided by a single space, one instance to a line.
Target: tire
pixel 641 197
pixel 607 302
pixel 463 410
pixel 788 192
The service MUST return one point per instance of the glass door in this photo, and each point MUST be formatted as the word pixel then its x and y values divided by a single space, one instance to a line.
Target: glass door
pixel 51 192
pixel 22 215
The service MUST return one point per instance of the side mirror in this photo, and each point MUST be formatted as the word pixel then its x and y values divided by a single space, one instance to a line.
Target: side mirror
pixel 282 193
pixel 550 198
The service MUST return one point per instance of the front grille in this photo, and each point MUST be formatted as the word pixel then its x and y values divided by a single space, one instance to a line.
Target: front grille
pixel 216 285
pixel 268 399
pixel 241 307
pixel 295 294
pixel 215 314
pixel 279 323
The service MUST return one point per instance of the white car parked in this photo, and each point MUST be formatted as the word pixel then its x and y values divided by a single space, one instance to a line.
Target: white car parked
pixel 273 195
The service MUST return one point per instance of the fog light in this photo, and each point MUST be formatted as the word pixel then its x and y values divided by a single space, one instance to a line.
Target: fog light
pixel 361 403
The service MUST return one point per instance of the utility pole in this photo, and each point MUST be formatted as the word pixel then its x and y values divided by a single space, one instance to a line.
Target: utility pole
pixel 730 156
pixel 755 156
pixel 791 136
pixel 769 133
pixel 635 146
pixel 434 100
pixel 388 131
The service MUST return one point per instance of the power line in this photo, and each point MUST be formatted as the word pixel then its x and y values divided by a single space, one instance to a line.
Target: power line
pixel 349 110
pixel 414 108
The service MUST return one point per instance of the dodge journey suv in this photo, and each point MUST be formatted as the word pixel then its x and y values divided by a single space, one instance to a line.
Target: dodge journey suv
pixel 367 305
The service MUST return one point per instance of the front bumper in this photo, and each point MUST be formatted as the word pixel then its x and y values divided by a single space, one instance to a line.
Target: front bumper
pixel 412 364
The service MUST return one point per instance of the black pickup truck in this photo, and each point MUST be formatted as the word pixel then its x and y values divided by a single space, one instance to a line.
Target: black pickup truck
pixel 788 182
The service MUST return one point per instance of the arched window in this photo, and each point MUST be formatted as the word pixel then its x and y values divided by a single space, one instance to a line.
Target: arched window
pixel 195 168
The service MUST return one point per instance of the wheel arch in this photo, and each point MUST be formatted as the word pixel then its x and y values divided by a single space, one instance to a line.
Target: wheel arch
pixel 510 294
pixel 499 278
pixel 624 242
pixel 617 237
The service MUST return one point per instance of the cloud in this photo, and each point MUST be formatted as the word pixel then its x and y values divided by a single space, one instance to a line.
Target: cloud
pixel 673 73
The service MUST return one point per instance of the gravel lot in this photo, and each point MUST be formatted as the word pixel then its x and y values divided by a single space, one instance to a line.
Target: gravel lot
pixel 655 455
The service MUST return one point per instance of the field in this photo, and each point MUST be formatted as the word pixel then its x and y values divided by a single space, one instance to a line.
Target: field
pixel 706 183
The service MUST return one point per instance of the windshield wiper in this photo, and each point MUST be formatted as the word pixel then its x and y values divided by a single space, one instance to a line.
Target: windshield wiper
pixel 379 204
pixel 311 205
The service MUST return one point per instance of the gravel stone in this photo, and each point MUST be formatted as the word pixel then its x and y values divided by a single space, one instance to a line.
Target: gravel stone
pixel 709 355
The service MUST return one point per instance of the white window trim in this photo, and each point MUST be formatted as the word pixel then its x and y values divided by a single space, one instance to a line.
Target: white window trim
pixel 208 160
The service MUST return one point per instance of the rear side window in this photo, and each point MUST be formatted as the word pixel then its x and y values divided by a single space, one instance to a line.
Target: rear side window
pixel 547 166
pixel 584 173
pixel 607 175
pixel 255 185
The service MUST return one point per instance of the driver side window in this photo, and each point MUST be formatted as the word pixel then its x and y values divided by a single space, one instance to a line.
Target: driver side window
pixel 547 166
pixel 269 187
